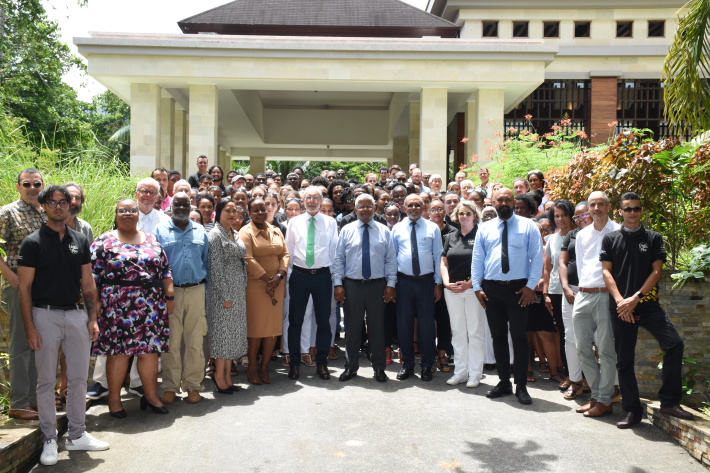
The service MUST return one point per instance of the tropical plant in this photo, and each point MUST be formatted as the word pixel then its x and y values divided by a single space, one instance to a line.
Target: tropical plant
pixel 699 262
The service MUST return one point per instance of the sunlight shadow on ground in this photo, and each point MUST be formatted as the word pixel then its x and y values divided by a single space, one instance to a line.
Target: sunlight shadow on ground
pixel 501 456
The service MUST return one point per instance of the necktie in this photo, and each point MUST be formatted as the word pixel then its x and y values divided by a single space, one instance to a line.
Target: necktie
pixel 505 264
pixel 415 251
pixel 366 271
pixel 310 251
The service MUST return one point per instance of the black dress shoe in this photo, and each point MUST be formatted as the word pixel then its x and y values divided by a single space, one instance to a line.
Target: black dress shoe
pixel 158 410
pixel 119 414
pixel 489 366
pixel 676 411
pixel 323 372
pixel 522 394
pixel 293 372
pixel 348 374
pixel 381 376
pixel 405 373
pixel 630 419
pixel 426 373
pixel 502 389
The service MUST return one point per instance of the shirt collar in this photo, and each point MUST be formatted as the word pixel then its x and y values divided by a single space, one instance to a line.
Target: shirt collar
pixel 24 206
pixel 189 228
pixel 510 220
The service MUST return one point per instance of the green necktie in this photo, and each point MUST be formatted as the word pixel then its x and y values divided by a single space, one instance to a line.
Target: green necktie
pixel 310 252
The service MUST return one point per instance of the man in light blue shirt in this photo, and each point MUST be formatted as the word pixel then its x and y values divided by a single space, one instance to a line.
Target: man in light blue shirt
pixel 185 244
pixel 506 267
pixel 365 266
pixel 418 245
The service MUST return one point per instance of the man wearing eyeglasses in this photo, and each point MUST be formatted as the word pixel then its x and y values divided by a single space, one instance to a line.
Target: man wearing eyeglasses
pixel 17 221
pixel 632 261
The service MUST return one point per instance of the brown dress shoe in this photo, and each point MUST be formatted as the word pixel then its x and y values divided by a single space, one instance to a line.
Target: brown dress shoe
pixel 25 413
pixel 675 411
pixel 193 397
pixel 168 397
pixel 599 410
pixel 587 406
pixel 628 420
pixel 293 372
pixel 323 372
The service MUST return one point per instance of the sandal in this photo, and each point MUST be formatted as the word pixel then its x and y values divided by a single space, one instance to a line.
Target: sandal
pixel 332 354
pixel 574 390
pixel 443 367
pixel 565 384
pixel 389 354
pixel 286 361
pixel 556 378
pixel 60 399
pixel 211 367
pixel 531 377
pixel 234 371
pixel 543 367
pixel 307 360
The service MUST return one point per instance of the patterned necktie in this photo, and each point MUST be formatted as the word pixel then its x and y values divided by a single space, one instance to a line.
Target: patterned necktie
pixel 415 251
pixel 310 250
pixel 366 271
pixel 505 264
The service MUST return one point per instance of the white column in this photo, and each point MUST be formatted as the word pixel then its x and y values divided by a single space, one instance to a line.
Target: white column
pixel 400 153
pixel 257 164
pixel 432 146
pixel 145 128
pixel 470 132
pixel 203 123
pixel 490 121
pixel 180 141
pixel 167 133
pixel 414 134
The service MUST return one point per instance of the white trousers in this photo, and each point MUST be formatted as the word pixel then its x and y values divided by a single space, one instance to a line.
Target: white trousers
pixel 468 322
pixel 100 372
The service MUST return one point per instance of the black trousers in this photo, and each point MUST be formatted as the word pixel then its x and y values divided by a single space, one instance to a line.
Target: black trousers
pixel 443 325
pixel 653 318
pixel 557 315
pixel 361 297
pixel 416 295
pixel 390 323
pixel 502 309
pixel 301 287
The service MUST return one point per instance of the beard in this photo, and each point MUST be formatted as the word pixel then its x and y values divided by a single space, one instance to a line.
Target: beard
pixel 504 212
pixel 180 216
pixel 74 210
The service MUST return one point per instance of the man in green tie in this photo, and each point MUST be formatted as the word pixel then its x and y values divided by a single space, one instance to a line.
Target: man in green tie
pixel 311 239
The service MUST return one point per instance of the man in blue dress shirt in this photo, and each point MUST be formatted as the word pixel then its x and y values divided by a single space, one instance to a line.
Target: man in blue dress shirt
pixel 365 266
pixel 185 245
pixel 417 243
pixel 506 267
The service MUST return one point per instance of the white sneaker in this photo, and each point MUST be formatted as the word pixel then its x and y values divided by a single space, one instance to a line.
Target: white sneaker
pixel 455 379
pixel 473 383
pixel 86 442
pixel 49 454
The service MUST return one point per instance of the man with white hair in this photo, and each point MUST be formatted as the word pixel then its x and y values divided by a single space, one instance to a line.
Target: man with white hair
pixel 182 186
pixel 460 176
pixel 466 185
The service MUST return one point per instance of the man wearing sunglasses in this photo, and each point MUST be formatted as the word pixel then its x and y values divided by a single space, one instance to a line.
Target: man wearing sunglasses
pixel 17 221
pixel 632 261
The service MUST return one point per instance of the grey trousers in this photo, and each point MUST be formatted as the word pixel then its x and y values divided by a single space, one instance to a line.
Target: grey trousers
pixel 360 298
pixel 591 314
pixel 23 373
pixel 69 330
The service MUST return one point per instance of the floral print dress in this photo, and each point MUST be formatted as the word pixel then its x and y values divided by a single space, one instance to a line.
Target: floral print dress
pixel 129 278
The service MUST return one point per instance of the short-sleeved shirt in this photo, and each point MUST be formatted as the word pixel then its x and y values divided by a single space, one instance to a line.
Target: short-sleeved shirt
pixel 57 265
pixel 17 221
pixel 458 250
pixel 569 242
pixel 186 251
pixel 589 245
pixel 632 255
pixel 552 250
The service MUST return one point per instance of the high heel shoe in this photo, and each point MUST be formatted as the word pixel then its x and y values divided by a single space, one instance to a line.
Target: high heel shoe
pixel 119 414
pixel 217 389
pixel 234 389
pixel 158 410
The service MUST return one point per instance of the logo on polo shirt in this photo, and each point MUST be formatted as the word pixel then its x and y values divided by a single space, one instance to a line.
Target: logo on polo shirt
pixel 73 249
pixel 643 247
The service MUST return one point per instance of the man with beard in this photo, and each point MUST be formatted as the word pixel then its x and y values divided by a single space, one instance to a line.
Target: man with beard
pixel 185 244
pixel 72 219
pixel 506 267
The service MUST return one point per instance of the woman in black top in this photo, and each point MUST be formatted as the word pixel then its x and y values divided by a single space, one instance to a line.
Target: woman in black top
pixel 465 312
pixel 441 313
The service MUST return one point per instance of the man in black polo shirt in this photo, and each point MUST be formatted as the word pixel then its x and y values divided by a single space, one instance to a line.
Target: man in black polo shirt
pixel 632 260
pixel 54 268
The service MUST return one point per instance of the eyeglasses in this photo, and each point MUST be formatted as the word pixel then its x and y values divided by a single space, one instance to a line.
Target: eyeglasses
pixel 53 204
pixel 36 184
pixel 436 210
pixel 632 209
pixel 579 217
pixel 465 214
pixel 129 210
pixel 147 192
pixel 487 217
pixel 545 231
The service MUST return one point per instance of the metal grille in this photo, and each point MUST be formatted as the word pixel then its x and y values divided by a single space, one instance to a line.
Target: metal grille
pixel 640 105
pixel 553 101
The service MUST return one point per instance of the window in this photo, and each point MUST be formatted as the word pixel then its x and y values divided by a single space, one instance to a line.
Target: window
pixel 520 29
pixel 551 29
pixel 582 29
pixel 490 29
pixel 657 29
pixel 624 29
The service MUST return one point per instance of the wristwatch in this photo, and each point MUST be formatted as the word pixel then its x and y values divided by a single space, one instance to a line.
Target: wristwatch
pixel 280 276
pixel 169 298
pixel 640 295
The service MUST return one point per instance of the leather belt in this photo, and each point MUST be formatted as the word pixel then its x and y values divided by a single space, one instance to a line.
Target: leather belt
pixel 60 307
pixel 593 289
pixel 507 283
pixel 363 281
pixel 190 284
pixel 312 271
pixel 416 278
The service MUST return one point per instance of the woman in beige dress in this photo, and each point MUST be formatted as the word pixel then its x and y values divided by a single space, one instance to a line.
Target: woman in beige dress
pixel 267 262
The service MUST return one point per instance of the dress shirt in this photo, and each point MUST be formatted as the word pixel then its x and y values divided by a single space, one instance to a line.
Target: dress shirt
pixel 326 239
pixel 348 254
pixel 167 202
pixel 186 251
pixel 429 246
pixel 524 252
pixel 17 221
pixel 148 222
pixel 587 248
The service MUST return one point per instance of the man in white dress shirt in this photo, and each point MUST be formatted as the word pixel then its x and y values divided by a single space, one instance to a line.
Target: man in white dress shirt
pixel 311 239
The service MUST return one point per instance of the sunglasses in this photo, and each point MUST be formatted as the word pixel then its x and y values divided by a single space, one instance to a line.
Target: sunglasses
pixel 632 209
pixel 35 184
pixel 127 211
pixel 465 214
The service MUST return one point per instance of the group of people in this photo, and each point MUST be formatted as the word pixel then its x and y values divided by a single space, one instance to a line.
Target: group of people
pixel 484 277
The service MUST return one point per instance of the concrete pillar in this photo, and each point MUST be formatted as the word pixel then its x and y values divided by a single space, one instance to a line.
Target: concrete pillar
pixel 145 128
pixel 400 153
pixel 470 131
pixel 257 164
pixel 224 161
pixel 432 146
pixel 180 141
pixel 167 133
pixel 203 123
pixel 603 105
pixel 414 133
pixel 489 124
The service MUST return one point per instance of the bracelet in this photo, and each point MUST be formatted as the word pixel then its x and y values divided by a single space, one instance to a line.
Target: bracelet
pixel 169 298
